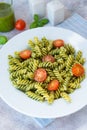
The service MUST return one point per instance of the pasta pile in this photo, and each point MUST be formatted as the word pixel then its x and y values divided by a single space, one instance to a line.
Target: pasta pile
pixel 22 71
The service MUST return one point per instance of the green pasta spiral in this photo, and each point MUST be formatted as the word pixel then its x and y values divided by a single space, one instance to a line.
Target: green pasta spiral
pixel 22 72
pixel 65 96
pixel 34 96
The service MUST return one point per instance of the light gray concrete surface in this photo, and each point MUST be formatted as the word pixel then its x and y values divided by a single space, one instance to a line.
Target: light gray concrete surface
pixel 13 120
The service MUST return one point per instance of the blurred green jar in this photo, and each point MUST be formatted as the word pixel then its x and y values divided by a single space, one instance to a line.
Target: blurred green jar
pixel 7 18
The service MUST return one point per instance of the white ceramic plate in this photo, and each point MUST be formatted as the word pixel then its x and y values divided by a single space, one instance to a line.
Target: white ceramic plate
pixel 18 100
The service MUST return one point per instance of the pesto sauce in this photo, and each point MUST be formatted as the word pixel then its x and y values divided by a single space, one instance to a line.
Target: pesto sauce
pixel 7 18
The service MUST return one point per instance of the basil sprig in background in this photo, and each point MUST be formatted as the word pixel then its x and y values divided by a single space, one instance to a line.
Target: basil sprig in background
pixel 38 22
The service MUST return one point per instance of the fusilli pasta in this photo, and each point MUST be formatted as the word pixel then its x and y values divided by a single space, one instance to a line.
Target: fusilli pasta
pixel 22 71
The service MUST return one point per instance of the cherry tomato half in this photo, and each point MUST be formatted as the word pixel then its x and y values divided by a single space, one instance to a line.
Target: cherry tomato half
pixel 40 75
pixel 48 58
pixel 78 70
pixel 20 24
pixel 25 54
pixel 58 43
pixel 53 85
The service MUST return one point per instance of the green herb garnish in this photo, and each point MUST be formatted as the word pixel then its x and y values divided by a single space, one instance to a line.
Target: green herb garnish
pixel 38 22
pixel 3 40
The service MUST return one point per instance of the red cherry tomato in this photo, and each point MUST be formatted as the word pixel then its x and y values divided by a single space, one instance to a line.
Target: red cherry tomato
pixel 25 54
pixel 58 43
pixel 78 70
pixel 40 75
pixel 48 58
pixel 53 85
pixel 20 24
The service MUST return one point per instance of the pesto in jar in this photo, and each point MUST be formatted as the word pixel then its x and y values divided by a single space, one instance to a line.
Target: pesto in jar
pixel 7 18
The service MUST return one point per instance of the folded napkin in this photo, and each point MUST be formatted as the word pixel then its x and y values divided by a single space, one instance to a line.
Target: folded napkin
pixel 79 25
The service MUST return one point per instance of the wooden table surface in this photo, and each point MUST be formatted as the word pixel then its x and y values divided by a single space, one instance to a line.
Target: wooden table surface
pixel 13 120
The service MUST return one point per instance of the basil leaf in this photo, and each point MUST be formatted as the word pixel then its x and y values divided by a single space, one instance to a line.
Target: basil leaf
pixel 33 25
pixel 38 22
pixel 44 21
pixel 3 39
pixel 36 17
